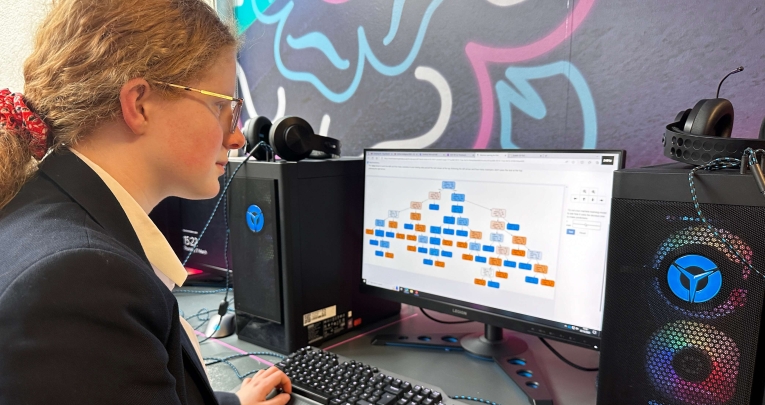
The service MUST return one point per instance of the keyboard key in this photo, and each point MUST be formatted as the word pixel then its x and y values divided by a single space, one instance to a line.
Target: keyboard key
pixel 402 401
pixel 363 402
pixel 416 389
pixel 427 401
pixel 387 399
pixel 393 390
pixel 435 396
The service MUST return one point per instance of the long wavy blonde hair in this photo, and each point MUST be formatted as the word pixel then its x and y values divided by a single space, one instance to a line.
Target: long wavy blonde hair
pixel 85 50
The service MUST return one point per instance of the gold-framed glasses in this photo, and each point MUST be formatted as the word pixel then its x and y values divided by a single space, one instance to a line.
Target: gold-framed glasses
pixel 236 103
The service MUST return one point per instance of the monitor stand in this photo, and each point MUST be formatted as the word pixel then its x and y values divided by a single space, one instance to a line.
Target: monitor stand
pixel 510 352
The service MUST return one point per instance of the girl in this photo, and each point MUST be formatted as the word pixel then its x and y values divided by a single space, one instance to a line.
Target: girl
pixel 132 102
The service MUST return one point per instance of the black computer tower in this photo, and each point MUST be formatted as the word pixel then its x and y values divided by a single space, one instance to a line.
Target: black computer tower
pixel 296 235
pixel 683 311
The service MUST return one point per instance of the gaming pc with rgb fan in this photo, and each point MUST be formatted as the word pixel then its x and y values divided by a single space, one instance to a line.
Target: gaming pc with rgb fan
pixel 684 295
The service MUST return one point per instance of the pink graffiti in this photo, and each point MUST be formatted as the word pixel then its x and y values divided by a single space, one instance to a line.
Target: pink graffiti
pixel 480 56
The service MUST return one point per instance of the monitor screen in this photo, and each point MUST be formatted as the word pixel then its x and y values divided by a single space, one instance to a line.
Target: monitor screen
pixel 516 239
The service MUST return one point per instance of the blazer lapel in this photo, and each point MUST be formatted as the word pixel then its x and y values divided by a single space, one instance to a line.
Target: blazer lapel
pixel 190 355
pixel 78 180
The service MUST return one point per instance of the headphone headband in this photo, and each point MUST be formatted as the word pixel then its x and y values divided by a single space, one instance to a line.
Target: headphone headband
pixel 324 144
pixel 697 150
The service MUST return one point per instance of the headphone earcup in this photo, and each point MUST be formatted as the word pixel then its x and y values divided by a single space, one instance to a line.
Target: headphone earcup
pixel 682 117
pixel 711 117
pixel 289 138
pixel 256 130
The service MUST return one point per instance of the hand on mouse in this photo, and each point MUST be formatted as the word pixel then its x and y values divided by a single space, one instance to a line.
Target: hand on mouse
pixel 255 390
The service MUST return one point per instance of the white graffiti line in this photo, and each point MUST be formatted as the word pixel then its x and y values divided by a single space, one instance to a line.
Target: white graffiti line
pixel 505 3
pixel 442 86
pixel 324 127
pixel 281 99
pixel 245 87
pixel 281 105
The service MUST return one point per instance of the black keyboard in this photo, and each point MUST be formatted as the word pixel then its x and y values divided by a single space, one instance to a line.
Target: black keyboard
pixel 330 379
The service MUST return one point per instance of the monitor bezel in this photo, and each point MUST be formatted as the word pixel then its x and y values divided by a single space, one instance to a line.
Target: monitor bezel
pixel 479 313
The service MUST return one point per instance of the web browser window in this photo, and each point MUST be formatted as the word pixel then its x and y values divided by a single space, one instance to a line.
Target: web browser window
pixel 522 233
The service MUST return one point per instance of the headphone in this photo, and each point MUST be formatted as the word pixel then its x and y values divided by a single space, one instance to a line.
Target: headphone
pixel 292 138
pixel 703 133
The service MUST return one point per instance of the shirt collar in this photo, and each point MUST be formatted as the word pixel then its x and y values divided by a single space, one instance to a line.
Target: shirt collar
pixel 161 256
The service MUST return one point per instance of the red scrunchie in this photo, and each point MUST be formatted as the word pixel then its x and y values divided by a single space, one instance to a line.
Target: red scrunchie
pixel 14 114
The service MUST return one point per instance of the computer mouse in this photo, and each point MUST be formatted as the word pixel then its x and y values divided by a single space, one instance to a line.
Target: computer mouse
pixel 220 328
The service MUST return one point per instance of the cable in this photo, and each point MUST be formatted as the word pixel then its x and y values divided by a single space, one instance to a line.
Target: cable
pixel 225 360
pixel 481 400
pixel 440 321
pixel 217 360
pixel 203 311
pixel 223 307
pixel 565 360
pixel 750 156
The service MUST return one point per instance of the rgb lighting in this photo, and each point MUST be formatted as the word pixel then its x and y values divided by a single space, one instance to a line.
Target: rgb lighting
pixel 693 362
pixel 701 235
pixel 736 299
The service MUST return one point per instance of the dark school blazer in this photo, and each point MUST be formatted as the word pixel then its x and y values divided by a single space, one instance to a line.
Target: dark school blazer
pixel 83 317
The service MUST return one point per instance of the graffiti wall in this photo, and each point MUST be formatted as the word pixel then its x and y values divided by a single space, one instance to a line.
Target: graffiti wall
pixel 542 74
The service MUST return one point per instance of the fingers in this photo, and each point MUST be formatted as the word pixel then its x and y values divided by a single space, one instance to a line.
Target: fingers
pixel 278 379
pixel 265 373
pixel 266 380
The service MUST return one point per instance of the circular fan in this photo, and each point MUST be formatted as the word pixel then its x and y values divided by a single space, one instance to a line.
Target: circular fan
pixel 701 235
pixel 693 362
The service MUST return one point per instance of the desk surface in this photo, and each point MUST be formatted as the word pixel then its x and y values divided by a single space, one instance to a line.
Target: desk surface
pixel 455 372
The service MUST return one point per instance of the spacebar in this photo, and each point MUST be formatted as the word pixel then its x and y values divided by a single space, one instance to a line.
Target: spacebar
pixel 303 391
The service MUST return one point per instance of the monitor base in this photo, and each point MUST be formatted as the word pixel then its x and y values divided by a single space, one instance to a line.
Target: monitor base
pixel 510 352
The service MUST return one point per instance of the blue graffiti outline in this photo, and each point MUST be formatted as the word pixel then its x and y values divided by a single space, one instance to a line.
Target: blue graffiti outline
pixel 395 19
pixel 322 43
pixel 529 102
pixel 365 53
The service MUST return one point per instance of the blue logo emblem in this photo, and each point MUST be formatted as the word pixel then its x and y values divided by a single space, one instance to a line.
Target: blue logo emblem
pixel 694 278
pixel 254 218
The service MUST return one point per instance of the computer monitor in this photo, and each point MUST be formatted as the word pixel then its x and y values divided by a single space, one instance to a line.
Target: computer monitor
pixel 515 239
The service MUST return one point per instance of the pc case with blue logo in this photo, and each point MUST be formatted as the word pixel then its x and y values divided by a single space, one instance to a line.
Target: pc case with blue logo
pixel 682 318
pixel 296 234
